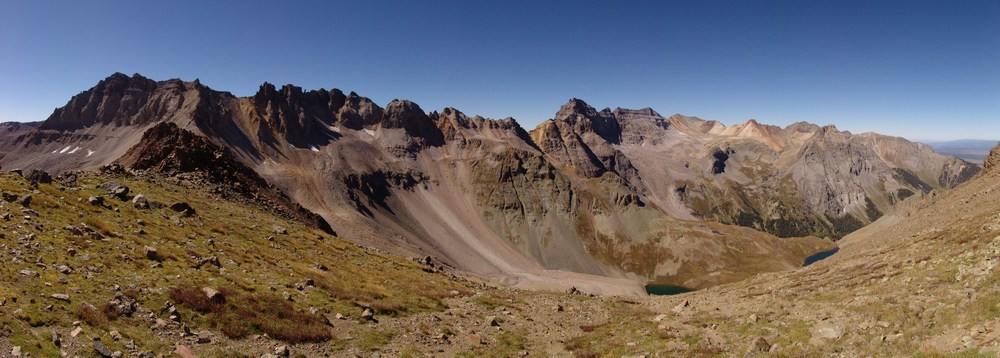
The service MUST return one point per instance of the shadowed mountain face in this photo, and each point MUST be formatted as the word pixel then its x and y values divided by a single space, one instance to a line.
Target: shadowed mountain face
pixel 9 131
pixel 603 200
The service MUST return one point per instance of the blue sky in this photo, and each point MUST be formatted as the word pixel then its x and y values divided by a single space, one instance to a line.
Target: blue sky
pixel 919 69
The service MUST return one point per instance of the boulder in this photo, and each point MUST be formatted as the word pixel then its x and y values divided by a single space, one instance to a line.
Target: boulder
pixel 67 179
pixel 101 349
pixel 213 295
pixel 25 201
pixel 681 306
pixel 491 321
pixel 39 176
pixel 96 200
pixel 368 315
pixel 8 197
pixel 60 296
pixel 120 192
pixel 182 207
pixel 828 332
pixel 757 346
pixel 123 305
pixel 109 185
pixel 140 202
pixel 150 253
pixel 211 260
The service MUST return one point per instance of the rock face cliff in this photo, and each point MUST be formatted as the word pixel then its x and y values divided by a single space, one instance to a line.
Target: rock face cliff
pixel 602 200
pixel 794 181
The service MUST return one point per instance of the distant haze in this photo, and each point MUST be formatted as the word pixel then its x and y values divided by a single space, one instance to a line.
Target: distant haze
pixel 973 150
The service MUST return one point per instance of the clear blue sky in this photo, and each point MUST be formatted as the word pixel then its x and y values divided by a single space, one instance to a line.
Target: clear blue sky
pixel 919 69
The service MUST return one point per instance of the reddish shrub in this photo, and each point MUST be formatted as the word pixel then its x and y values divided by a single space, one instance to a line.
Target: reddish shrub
pixel 246 313
pixel 90 314
pixel 194 298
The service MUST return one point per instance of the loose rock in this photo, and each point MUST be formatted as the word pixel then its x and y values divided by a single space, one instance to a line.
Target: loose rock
pixel 213 295
pixel 139 201
pixel 150 253
pixel 39 176
pixel 101 348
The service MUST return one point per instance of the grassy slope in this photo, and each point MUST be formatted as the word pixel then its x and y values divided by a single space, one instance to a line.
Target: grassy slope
pixel 918 286
pixel 925 284
pixel 255 270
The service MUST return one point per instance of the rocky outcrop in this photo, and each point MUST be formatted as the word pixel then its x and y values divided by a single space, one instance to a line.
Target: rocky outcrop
pixel 300 117
pixel 992 160
pixel 169 151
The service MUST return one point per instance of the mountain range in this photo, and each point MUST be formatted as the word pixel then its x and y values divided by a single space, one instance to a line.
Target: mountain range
pixel 600 200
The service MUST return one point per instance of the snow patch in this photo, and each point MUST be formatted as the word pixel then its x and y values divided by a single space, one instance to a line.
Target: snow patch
pixel 64 149
pixel 89 152
pixel 313 148
pixel 335 129
pixel 370 132
pixel 74 150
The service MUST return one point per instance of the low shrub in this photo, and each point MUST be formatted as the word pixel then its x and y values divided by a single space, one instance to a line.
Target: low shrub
pixel 241 314
pixel 90 314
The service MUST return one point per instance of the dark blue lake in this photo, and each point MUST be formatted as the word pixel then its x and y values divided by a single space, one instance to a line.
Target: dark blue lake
pixel 819 256
pixel 665 290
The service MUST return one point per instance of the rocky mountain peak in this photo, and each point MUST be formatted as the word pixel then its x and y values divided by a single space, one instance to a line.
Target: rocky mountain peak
pixel 399 112
pixel 358 112
pixel 992 160
pixel 266 91
pixel 584 119
pixel 114 100
pixel 574 108
pixel 803 127
pixel 121 80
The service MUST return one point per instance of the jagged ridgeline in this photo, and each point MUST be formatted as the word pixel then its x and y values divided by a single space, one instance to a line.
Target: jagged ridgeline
pixel 601 200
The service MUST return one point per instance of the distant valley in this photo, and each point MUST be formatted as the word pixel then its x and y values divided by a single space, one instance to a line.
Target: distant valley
pixel 972 150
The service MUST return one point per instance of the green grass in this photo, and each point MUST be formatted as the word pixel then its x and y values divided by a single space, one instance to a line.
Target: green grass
pixel 373 339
